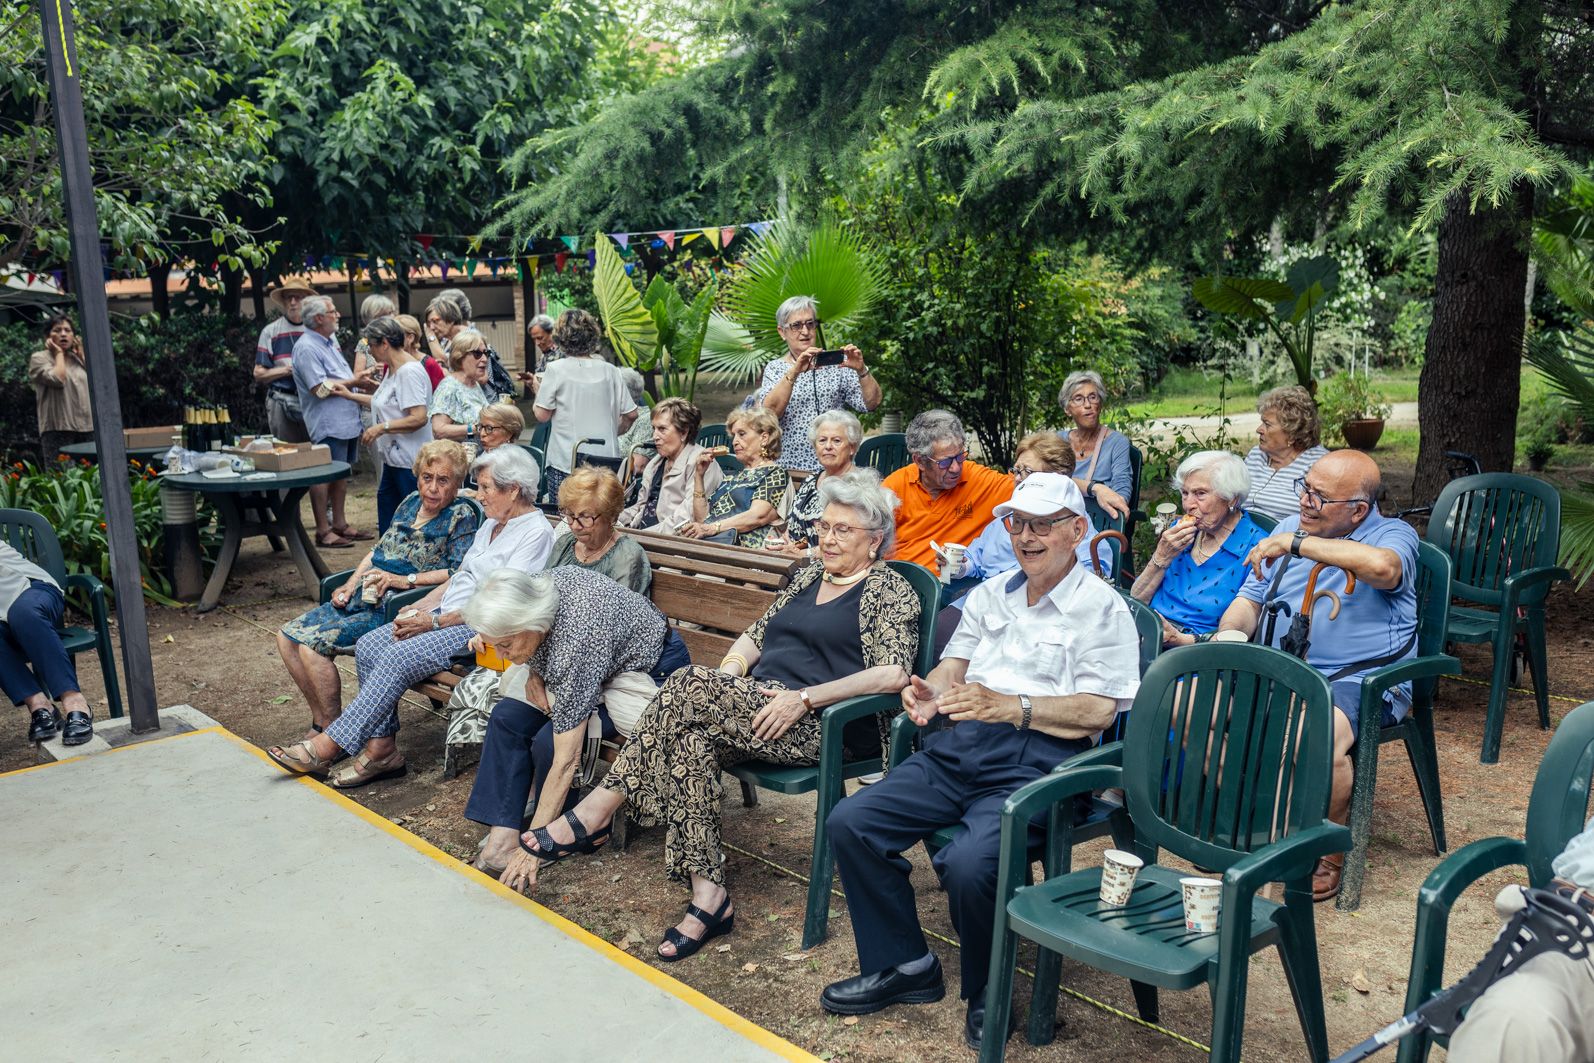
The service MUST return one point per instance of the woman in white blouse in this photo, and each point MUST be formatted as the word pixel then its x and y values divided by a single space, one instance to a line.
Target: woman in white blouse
pixel 424 639
pixel 1287 447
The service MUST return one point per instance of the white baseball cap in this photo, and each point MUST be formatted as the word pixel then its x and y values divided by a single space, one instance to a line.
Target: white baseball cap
pixel 1042 494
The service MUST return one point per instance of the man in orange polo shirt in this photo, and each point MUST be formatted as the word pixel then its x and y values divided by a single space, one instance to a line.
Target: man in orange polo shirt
pixel 944 496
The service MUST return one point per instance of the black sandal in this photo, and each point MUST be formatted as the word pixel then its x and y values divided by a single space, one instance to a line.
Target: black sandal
pixel 715 925
pixel 551 852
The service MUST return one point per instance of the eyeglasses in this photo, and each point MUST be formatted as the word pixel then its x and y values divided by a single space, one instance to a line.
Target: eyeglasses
pixel 1041 526
pixel 483 428
pixel 1091 399
pixel 1021 471
pixel 841 531
pixel 946 463
pixel 808 325
pixel 579 520
pixel 1314 498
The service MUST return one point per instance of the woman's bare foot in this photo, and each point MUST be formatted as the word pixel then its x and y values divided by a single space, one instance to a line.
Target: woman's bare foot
pixel 500 844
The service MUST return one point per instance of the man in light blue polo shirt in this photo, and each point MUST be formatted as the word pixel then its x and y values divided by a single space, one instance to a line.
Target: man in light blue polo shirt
pixel 318 365
pixel 1339 524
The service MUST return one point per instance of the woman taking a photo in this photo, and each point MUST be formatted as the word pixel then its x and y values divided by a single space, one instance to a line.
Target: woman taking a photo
pixel 744 509
pixel 458 400
pixel 669 476
pixel 60 380
pixel 845 626
pixel 399 424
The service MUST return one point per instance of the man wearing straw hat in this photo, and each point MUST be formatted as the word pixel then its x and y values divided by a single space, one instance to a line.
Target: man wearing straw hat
pixel 1042 662
pixel 274 360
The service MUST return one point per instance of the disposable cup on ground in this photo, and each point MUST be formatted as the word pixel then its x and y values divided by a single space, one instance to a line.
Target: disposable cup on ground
pixel 1118 870
pixel 1203 898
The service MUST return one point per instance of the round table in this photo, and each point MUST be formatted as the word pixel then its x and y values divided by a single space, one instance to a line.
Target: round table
pixel 277 496
pixel 87 452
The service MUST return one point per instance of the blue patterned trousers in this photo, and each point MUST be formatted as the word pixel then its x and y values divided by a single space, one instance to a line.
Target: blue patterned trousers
pixel 387 667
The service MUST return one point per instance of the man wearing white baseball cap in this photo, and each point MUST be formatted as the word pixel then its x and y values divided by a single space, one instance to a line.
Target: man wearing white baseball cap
pixel 1043 660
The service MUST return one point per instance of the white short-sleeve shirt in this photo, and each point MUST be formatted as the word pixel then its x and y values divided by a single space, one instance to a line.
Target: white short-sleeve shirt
pixel 524 544
pixel 588 397
pixel 399 392
pixel 1079 639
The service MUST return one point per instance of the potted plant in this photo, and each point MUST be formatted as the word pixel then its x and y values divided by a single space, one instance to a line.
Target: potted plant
pixel 1352 410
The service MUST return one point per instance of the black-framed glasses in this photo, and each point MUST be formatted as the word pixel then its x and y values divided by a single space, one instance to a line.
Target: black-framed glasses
pixel 1041 526
pixel 1314 498
pixel 483 428
pixel 1021 471
pixel 579 520
pixel 946 463
pixel 807 325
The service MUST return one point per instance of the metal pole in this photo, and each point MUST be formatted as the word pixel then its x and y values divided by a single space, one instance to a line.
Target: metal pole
pixel 77 182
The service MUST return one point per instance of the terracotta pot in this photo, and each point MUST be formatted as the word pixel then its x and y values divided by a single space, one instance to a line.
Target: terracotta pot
pixel 1363 434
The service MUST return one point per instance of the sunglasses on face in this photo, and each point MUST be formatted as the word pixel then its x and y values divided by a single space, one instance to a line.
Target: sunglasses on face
pixel 945 464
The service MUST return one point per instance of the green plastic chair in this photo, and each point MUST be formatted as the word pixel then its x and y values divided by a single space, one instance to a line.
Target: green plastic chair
pixel 1262 520
pixel 1258 818
pixel 829 777
pixel 1415 729
pixel 33 538
pixel 1557 811
pixel 1502 533
pixel 885 453
pixel 713 435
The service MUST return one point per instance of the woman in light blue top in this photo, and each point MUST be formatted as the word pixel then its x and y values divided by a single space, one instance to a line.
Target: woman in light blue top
pixel 1101 455
pixel 1199 563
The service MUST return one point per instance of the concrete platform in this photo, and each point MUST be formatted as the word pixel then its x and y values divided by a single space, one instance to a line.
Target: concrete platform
pixel 184 899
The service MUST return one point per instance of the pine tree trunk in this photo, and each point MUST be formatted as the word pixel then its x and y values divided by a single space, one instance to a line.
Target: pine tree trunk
pixel 160 299
pixel 1471 377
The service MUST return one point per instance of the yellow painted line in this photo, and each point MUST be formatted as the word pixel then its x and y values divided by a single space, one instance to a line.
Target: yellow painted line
pixel 680 990
pixel 216 729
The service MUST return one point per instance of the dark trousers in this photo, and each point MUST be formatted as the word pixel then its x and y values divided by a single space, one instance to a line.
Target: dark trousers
pixel 963 775
pixel 396 485
pixel 50 444
pixel 517 754
pixel 29 635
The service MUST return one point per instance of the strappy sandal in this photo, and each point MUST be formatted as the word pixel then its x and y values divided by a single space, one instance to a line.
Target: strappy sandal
pixel 299 759
pixel 714 926
pixel 350 532
pixel 362 770
pixel 333 541
pixel 551 852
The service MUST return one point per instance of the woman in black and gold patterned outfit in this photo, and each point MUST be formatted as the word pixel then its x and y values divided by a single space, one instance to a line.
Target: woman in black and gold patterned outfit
pixel 843 627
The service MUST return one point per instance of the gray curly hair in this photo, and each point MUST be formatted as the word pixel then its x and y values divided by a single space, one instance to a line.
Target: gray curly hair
pixel 860 490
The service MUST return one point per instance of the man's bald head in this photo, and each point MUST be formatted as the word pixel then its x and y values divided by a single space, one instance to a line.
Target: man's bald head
pixel 1349 482
pixel 1352 472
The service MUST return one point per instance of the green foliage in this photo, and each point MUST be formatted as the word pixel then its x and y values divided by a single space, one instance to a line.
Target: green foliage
pixel 628 324
pixel 69 497
pixel 1563 244
pixel 658 333
pixel 176 150
pixel 1289 308
pixel 833 264
pixel 1348 396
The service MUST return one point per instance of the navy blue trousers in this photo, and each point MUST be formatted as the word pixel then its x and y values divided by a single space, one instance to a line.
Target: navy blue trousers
pixel 396 485
pixel 963 775
pixel 29 636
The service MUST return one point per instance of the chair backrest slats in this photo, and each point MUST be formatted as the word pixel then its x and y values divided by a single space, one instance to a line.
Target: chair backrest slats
pixel 32 537
pixel 1492 526
pixel 885 453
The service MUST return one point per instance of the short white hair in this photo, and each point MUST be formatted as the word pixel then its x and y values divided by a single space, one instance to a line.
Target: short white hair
pixel 791 306
pixel 849 423
pixel 859 489
pixel 510 602
pixel 1076 380
pixel 314 308
pixel 1225 472
pixel 510 467
pixel 932 427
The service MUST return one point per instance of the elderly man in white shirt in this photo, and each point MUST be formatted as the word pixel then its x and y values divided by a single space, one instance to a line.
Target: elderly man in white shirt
pixel 424 639
pixel 1041 663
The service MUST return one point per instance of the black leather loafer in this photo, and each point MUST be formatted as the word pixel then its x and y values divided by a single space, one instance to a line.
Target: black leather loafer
pixel 44 724
pixel 974 1023
pixel 79 729
pixel 869 993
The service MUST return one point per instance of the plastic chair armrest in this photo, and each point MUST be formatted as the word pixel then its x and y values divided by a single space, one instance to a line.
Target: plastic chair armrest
pixel 1070 780
pixel 1439 891
pixel 396 602
pixel 1108 753
pixel 833 720
pixel 904 736
pixel 1376 682
pixel 1527 584
pixel 1285 859
pixel 96 591
pixel 330 584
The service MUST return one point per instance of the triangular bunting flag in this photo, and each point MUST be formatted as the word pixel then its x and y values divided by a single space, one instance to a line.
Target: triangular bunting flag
pixel 713 237
pixel 470 266
pixel 443 265
pixel 572 242
pixel 727 234
pixel 592 259
pixel 425 240
pixel 623 239
pixel 689 237
pixel 669 239
pixel 559 261
pixel 534 263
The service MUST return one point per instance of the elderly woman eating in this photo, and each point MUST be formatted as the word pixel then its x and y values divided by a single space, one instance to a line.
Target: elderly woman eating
pixel 589 502
pixel 593 650
pixel 424 639
pixel 1287 448
pixel 796 386
pixel 457 403
pixel 1101 455
pixel 835 436
pixel 845 626
pixel 1199 563
pixel 669 477
pixel 744 509
pixel 423 545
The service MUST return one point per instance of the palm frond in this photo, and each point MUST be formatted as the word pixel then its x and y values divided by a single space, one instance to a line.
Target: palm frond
pixel 628 324
pixel 1567 361
pixel 729 349
pixel 1577 532
pixel 835 266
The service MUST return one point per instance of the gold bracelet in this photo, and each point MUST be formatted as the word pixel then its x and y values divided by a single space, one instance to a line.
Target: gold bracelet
pixel 729 657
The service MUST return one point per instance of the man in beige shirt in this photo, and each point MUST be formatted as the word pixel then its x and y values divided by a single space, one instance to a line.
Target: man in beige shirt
pixel 60 381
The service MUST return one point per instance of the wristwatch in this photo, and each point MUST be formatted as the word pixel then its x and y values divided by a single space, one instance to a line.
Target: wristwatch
pixel 865 372
pixel 807 702
pixel 1029 708
pixel 435 622
pixel 1295 542
pixel 411 579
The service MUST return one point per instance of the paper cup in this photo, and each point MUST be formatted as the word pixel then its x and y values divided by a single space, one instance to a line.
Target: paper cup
pixel 1164 517
pixel 1118 870
pixel 954 558
pixel 369 591
pixel 1203 898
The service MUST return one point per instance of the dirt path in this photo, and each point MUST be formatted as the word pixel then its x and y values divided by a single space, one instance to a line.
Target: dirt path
pixel 224 663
